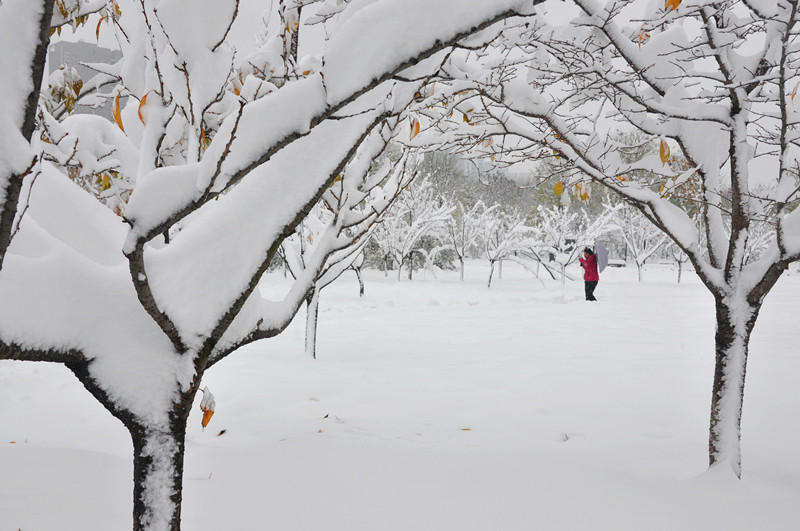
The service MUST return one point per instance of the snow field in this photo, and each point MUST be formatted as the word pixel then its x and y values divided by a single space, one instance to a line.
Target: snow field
pixel 436 405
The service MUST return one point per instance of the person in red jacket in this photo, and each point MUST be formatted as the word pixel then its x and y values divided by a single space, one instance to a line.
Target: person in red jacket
pixel 590 274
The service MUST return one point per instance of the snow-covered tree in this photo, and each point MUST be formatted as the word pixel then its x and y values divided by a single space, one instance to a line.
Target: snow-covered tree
pixel 465 227
pixel 419 211
pixel 501 235
pixel 712 86
pixel 139 305
pixel 559 235
pixel 680 258
pixel 641 237
pixel 347 212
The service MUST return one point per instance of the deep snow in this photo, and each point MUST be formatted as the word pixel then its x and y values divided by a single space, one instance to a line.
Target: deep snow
pixel 436 405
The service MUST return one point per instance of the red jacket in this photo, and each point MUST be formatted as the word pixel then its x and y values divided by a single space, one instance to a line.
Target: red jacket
pixel 589 266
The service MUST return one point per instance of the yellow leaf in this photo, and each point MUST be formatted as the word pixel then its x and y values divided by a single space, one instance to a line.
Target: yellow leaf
pixel 558 189
pixel 142 103
pixel 622 177
pixel 116 112
pixel 669 5
pixel 414 129
pixel 664 152
pixel 306 72
pixel 207 405
pixel 207 414
pixel 106 182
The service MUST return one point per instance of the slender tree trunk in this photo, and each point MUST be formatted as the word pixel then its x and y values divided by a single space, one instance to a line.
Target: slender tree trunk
pixel 680 270
pixel 312 316
pixel 563 275
pixel 360 281
pixel 640 270
pixel 735 320
pixel 410 265
pixel 500 271
pixel 461 269
pixel 491 273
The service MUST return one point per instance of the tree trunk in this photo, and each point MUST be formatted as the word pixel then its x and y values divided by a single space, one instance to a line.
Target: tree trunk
pixel 360 281
pixel 312 315
pixel 158 451
pixel 410 265
pixel 500 271
pixel 735 320
pixel 563 275
pixel 640 270
pixel 461 269
pixel 680 270
pixel 491 273
pixel 158 475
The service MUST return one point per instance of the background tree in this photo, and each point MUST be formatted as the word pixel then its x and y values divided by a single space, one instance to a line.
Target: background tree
pixel 641 237
pixel 347 212
pixel 465 228
pixel 418 212
pixel 502 234
pixel 559 235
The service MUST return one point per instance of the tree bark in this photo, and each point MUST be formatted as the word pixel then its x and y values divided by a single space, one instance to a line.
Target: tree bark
pixel 312 316
pixel 491 274
pixel 158 476
pixel 461 269
pixel 158 452
pixel 360 281
pixel 735 320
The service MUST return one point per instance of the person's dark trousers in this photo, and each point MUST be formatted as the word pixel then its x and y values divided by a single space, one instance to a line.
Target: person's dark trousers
pixel 590 285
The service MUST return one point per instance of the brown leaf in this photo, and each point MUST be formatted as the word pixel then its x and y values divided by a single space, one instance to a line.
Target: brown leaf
pixel 97 31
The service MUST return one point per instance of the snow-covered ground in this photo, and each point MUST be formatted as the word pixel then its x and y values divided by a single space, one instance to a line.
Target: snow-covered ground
pixel 436 405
